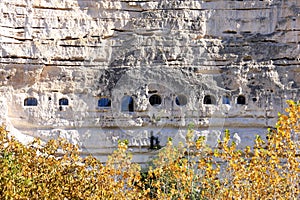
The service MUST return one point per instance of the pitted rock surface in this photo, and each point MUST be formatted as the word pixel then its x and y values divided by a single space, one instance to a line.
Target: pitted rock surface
pixel 203 55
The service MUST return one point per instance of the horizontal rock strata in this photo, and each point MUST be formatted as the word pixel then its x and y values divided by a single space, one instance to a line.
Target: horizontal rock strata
pixel 214 64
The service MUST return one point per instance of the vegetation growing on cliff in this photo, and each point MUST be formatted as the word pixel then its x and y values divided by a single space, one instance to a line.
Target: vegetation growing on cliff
pixel 268 170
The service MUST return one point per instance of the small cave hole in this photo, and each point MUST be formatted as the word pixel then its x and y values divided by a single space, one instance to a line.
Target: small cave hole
pixel 226 100
pixel 63 102
pixel 208 99
pixel 181 100
pixel 104 102
pixel 155 100
pixel 241 100
pixel 127 104
pixel 30 101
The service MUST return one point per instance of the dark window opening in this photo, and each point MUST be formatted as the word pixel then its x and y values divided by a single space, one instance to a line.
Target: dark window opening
pixel 208 99
pixel 63 102
pixel 127 104
pixel 254 99
pixel 155 100
pixel 226 100
pixel 104 102
pixel 181 100
pixel 30 101
pixel 241 100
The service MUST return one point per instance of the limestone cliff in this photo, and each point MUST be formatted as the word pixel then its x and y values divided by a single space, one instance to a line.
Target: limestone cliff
pixel 98 71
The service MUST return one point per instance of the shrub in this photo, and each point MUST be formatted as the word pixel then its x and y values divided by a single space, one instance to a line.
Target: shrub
pixel 55 170
pixel 268 170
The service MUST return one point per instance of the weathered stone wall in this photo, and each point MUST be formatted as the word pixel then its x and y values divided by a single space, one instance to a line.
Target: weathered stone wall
pixel 85 50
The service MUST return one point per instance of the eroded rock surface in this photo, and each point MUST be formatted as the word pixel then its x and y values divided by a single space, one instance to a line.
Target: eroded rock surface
pixel 228 64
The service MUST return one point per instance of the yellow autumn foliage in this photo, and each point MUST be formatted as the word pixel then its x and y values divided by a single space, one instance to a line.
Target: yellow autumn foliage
pixel 55 170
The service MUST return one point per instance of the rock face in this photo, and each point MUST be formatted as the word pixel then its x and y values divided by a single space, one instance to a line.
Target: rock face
pixel 99 71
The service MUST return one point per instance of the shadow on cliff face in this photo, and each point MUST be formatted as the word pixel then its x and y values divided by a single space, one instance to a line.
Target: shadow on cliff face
pixel 165 37
pixel 253 47
pixel 153 48
pixel 169 45
pixel 150 38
